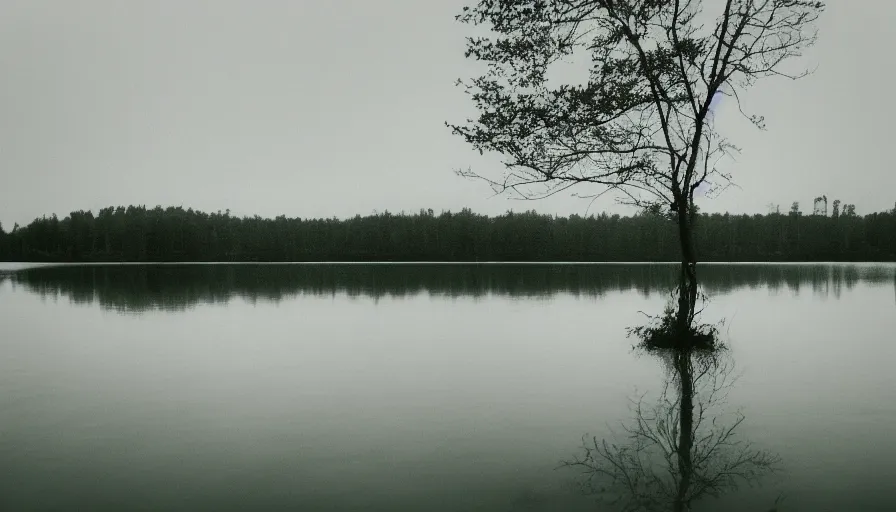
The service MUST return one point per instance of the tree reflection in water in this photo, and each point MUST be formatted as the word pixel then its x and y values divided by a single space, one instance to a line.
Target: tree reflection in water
pixel 684 445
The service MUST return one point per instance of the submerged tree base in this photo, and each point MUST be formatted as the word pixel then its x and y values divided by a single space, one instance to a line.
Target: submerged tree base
pixel 665 333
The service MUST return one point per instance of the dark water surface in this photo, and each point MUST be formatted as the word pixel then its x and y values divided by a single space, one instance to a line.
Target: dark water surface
pixel 418 387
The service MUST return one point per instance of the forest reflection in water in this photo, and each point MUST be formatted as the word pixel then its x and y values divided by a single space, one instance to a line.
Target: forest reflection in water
pixel 175 287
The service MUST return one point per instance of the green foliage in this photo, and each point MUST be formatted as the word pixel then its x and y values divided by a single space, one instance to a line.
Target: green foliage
pixel 135 233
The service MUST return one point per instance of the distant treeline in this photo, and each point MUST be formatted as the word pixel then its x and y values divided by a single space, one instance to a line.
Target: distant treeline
pixel 181 286
pixel 136 233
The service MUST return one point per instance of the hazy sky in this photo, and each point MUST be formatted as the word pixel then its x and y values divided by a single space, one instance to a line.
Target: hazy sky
pixel 323 108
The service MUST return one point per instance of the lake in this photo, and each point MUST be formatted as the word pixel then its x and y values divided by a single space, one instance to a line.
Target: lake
pixel 420 387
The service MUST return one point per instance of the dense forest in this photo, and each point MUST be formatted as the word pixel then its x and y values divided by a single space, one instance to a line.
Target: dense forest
pixel 136 233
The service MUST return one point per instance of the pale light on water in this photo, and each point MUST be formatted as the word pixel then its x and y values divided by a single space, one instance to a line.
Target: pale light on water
pixel 416 387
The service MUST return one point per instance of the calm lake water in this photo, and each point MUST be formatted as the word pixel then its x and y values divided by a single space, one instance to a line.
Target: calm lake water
pixel 419 387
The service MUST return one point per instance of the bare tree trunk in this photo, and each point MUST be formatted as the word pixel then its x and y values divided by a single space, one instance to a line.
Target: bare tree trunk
pixel 687 291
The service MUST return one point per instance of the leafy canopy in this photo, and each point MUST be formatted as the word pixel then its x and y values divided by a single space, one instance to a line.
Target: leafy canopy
pixel 642 123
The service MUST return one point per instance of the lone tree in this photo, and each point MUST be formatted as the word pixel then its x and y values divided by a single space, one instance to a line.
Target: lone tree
pixel 642 124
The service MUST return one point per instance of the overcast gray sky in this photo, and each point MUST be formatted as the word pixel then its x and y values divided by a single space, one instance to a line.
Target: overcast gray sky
pixel 322 108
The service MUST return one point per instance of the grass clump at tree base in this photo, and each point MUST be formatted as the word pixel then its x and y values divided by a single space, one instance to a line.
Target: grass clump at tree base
pixel 664 333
